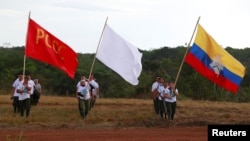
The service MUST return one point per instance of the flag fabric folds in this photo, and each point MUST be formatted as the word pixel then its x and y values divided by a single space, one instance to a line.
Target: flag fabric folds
pixel 119 55
pixel 43 46
pixel 213 62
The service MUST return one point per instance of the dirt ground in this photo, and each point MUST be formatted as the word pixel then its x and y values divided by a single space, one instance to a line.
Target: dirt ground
pixel 172 133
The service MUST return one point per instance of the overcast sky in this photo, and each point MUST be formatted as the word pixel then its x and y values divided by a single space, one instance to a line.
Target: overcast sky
pixel 147 24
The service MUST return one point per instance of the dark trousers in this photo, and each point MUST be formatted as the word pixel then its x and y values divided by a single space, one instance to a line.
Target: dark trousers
pixel 36 98
pixel 162 108
pixel 173 106
pixel 92 102
pixel 25 107
pixel 32 99
pixel 169 110
pixel 15 104
pixel 156 105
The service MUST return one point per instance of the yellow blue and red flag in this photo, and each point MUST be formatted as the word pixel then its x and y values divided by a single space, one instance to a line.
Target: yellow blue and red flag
pixel 213 62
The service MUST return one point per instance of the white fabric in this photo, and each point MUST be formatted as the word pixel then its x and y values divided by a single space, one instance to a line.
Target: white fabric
pixel 155 85
pixel 15 85
pixel 25 94
pixel 120 56
pixel 85 88
pixel 174 97
pixel 32 83
pixel 95 85
pixel 96 90
pixel 160 89
pixel 164 91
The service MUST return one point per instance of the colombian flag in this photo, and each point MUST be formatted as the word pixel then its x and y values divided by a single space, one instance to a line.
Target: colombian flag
pixel 213 62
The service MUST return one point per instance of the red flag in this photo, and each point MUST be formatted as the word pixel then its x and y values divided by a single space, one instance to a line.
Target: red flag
pixel 43 46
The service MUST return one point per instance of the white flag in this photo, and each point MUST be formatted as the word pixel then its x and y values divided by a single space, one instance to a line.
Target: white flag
pixel 120 56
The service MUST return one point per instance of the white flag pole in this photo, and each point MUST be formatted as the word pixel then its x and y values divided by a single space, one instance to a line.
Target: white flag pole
pixel 92 66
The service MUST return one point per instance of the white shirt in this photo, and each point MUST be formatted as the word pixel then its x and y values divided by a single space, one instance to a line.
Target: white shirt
pixel 15 85
pixel 173 99
pixel 155 85
pixel 25 94
pixel 84 90
pixel 78 84
pixel 32 83
pixel 95 85
pixel 165 91
pixel 161 91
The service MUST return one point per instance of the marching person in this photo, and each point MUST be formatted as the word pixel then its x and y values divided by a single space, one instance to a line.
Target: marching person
pixel 24 89
pixel 83 96
pixel 155 94
pixel 94 90
pixel 173 93
pixel 164 94
pixel 32 83
pixel 37 91
pixel 14 94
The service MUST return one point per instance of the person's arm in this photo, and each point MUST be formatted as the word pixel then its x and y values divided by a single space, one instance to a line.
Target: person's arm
pixel 176 92
pixel 28 88
pixel 40 90
pixel 76 92
pixel 77 87
pixel 167 95
pixel 12 92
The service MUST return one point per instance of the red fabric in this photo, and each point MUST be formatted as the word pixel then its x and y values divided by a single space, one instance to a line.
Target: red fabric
pixel 209 74
pixel 43 46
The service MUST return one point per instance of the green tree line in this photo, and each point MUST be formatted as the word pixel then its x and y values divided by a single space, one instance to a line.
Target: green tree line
pixel 164 62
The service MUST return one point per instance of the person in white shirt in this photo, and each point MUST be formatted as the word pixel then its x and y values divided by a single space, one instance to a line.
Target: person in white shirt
pixel 83 97
pixel 37 91
pixel 14 94
pixel 83 77
pixel 32 83
pixel 173 93
pixel 164 94
pixel 24 90
pixel 155 94
pixel 94 90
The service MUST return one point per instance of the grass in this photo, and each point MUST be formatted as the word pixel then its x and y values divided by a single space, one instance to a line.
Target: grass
pixel 62 112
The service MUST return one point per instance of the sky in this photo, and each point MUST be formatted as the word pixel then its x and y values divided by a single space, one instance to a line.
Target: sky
pixel 147 24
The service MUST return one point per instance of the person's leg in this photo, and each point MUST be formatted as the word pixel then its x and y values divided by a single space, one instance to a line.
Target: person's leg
pixel 32 99
pixel 169 110
pixel 162 107
pixel 173 110
pixel 158 105
pixel 165 109
pixel 16 104
pixel 27 106
pixel 93 102
pixel 155 107
pixel 87 106
pixel 21 107
pixel 37 98
pixel 81 107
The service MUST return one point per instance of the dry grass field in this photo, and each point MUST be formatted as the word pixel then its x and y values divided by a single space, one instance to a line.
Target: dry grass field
pixel 57 118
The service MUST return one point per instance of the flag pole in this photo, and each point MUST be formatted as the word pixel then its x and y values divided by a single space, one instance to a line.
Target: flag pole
pixel 177 77
pixel 24 64
pixel 97 48
pixel 24 57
